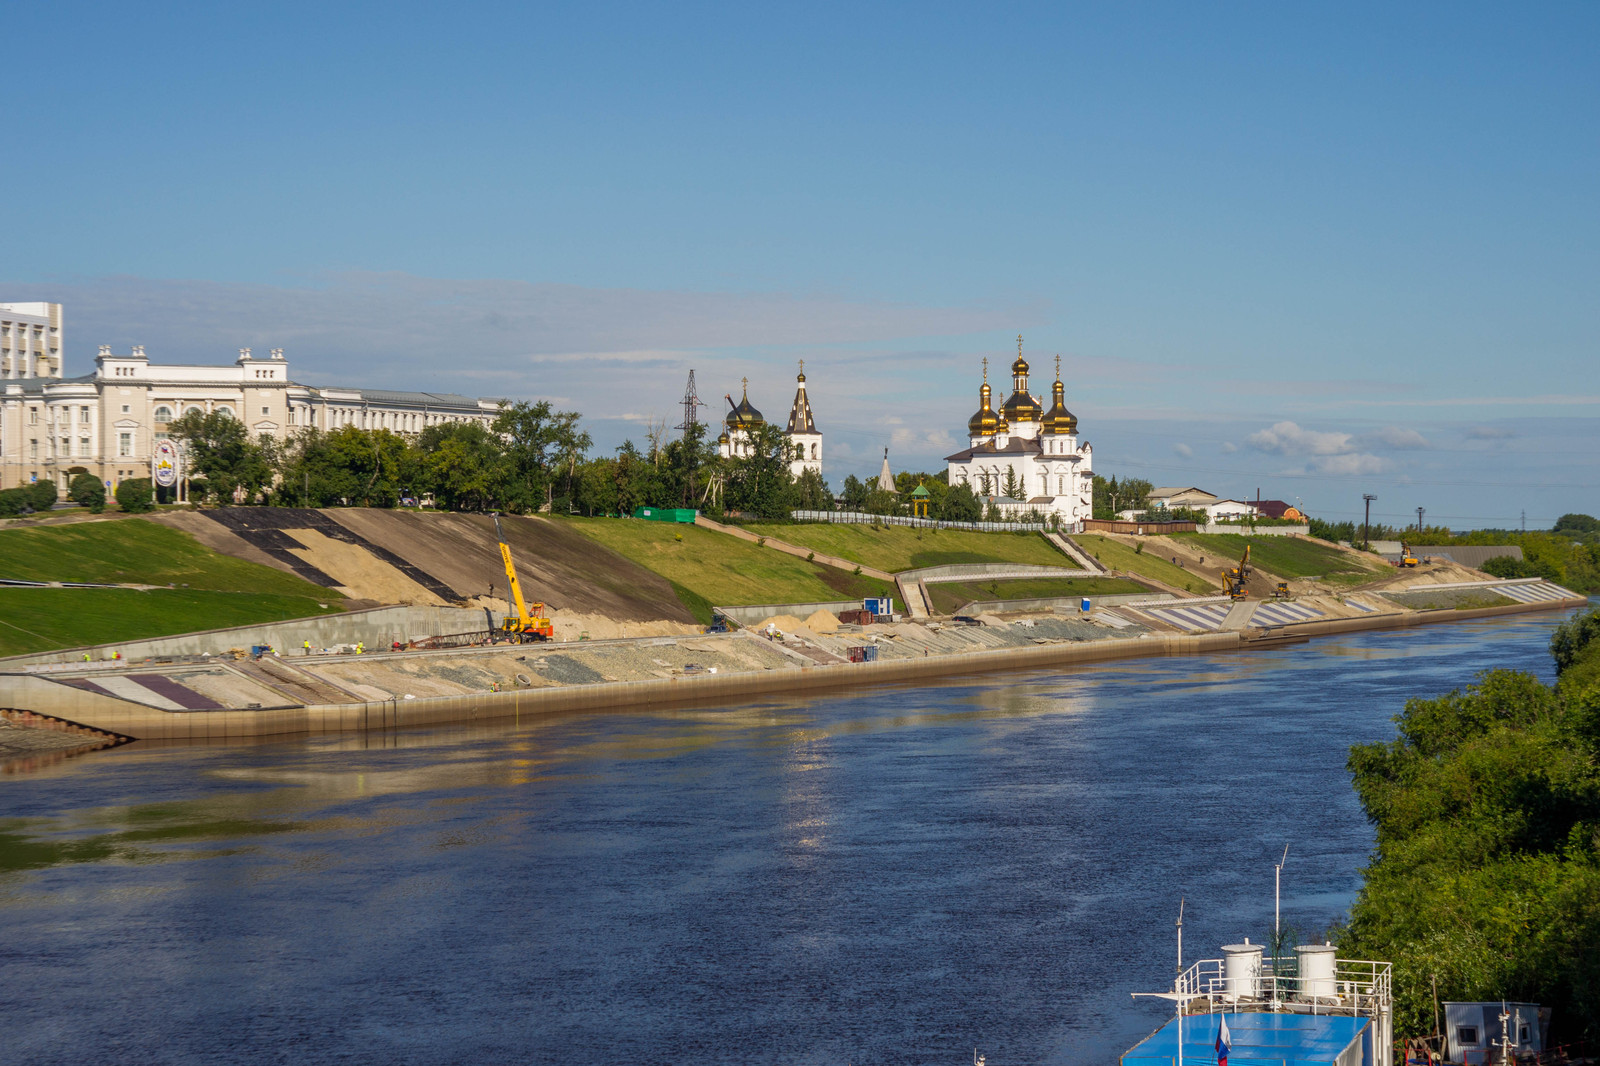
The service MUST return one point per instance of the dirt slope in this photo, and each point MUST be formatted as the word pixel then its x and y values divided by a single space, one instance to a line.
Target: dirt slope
pixel 565 569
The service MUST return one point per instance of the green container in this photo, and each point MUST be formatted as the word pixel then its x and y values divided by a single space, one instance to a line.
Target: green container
pixel 666 514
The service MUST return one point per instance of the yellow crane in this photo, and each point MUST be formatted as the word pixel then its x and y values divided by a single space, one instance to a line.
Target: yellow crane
pixel 525 627
pixel 1234 577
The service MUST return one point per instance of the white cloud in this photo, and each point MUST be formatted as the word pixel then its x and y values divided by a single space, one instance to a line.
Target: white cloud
pixel 907 439
pixel 1228 447
pixel 1399 437
pixel 1490 433
pixel 1184 450
pixel 1287 438
pixel 1352 463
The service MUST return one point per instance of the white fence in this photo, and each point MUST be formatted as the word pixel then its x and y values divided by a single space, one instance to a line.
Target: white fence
pixel 856 518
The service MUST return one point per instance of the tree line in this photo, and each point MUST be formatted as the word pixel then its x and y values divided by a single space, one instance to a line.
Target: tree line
pixel 1485 882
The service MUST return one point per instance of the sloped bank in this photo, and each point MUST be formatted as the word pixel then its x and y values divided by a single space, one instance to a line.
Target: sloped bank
pixel 99 710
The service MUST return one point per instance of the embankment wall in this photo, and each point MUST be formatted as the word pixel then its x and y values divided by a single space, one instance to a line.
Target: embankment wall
pixel 376 626
pixel 95 711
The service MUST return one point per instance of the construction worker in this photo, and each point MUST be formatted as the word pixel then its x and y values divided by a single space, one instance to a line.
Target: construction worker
pixel 307 646
pixel 85 656
pixel 361 647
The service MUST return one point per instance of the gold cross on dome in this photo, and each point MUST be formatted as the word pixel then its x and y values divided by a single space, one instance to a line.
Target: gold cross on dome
pixel 1019 346
pixel 1058 366
pixel 744 383
pixel 986 370
pixel 802 366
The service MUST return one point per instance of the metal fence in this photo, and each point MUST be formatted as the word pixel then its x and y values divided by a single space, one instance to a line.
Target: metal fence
pixel 856 518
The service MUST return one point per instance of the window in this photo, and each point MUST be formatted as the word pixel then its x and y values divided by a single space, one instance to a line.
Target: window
pixel 33 416
pixel 193 410
pixel 1467 1035
pixel 1523 1035
pixel 223 409
pixel 265 411
pixel 83 415
pixel 126 409
pixel 83 447
pixel 33 449
pixel 124 444
pixel 163 414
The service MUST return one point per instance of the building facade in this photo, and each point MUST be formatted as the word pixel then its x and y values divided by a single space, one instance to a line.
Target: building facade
pixel 107 422
pixel 805 440
pixel 1027 458
pixel 30 341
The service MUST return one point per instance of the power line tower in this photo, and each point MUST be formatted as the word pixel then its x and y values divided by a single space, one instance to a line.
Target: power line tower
pixel 691 407
pixel 1366 523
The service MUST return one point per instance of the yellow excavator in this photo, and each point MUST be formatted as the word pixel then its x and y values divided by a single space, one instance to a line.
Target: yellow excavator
pixel 525 628
pixel 1408 558
pixel 1234 577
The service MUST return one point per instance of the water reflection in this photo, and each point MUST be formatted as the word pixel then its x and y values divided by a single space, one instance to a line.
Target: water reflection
pixel 891 875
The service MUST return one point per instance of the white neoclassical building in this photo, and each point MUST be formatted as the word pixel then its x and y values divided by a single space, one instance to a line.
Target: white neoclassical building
pixel 30 340
pixel 804 439
pixel 108 421
pixel 1025 449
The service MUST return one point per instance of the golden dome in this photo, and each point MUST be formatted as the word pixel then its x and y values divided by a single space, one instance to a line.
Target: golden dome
pixel 985 422
pixel 1022 407
pixel 1058 421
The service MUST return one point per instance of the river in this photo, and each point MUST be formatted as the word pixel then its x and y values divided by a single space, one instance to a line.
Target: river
pixel 896 875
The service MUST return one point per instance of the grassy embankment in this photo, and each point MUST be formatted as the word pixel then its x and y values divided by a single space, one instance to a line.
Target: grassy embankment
pixel 711 567
pixel 222 591
pixel 1289 556
pixel 948 596
pixel 897 548
pixel 1118 555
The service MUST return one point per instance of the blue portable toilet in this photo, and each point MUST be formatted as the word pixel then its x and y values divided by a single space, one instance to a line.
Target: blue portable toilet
pixel 1086 605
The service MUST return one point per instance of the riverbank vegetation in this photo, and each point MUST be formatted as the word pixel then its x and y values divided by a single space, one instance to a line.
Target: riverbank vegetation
pixel 1486 875
pixel 1567 553
pixel 1114 554
pixel 1286 556
pixel 950 596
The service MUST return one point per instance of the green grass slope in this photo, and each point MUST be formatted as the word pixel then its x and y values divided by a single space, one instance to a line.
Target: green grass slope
pixel 897 548
pixel 1116 555
pixel 223 591
pixel 132 551
pixel 949 595
pixel 33 619
pixel 721 569
pixel 1289 556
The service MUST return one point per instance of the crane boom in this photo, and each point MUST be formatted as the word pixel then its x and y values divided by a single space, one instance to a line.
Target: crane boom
pixel 527 626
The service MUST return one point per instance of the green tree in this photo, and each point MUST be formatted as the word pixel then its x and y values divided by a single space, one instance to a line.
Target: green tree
pixel 759 483
pixel 855 494
pixel 221 451
pixel 87 490
pixel 1486 875
pixel 43 494
pixel 463 465
pixel 960 504
pixel 135 495
pixel 540 445
pixel 811 493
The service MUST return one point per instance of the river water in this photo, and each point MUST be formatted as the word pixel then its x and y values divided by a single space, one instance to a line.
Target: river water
pixel 896 875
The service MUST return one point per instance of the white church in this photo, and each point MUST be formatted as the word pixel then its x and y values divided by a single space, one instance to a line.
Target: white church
pixel 805 443
pixel 1027 451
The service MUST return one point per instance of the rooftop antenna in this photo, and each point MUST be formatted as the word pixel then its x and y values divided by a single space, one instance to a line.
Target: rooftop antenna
pixel 691 406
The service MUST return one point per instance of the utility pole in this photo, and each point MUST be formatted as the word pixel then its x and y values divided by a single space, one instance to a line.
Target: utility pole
pixel 1366 523
pixel 691 407
pixel 1419 520
pixel 1524 521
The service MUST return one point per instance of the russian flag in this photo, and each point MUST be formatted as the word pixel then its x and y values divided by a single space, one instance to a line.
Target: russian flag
pixel 1224 1042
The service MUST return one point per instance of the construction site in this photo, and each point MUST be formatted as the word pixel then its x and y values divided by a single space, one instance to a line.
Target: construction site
pixel 433 618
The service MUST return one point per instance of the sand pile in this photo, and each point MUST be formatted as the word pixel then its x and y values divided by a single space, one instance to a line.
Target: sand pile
pixel 822 621
pixel 572 625
pixel 358 571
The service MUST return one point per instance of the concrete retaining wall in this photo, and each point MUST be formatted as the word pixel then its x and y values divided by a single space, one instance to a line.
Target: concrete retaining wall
pixel 376 627
pixel 750 615
pixel 968 571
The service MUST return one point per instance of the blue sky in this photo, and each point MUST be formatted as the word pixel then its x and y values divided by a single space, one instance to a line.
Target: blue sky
pixel 1316 250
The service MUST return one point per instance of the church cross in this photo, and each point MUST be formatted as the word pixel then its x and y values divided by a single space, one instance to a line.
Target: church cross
pixel 1058 366
pixel 1019 346
pixel 802 366
pixel 986 370
pixel 744 383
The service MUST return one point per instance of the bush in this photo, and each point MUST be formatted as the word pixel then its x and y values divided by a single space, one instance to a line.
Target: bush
pixel 135 495
pixel 87 491
pixel 42 495
pixel 14 502
pixel 1572 637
